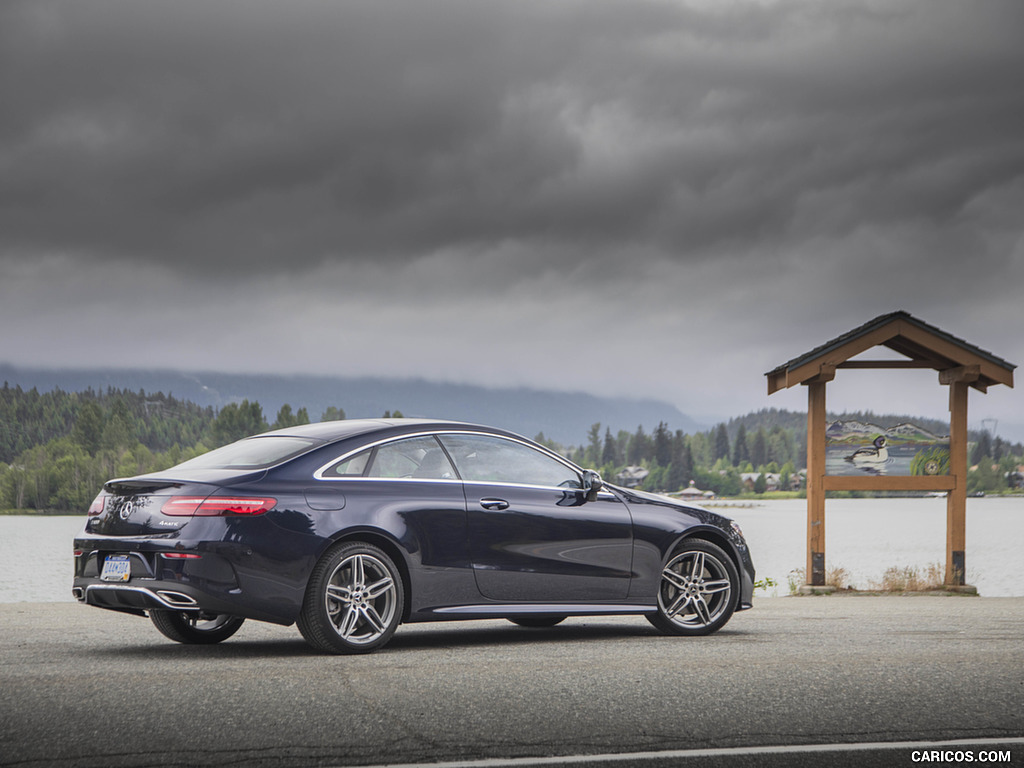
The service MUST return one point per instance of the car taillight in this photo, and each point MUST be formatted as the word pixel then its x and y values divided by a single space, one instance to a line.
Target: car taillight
pixel 180 555
pixel 217 505
pixel 96 507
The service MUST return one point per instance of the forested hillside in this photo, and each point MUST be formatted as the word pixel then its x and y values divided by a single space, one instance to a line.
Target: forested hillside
pixel 97 419
pixel 563 416
pixel 57 448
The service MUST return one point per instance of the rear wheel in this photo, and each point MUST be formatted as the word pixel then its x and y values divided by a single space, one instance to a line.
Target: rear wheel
pixel 699 590
pixel 354 600
pixel 537 622
pixel 191 628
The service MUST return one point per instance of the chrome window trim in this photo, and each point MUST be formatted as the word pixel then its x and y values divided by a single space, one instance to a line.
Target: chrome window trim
pixel 319 474
pixel 361 479
pixel 604 495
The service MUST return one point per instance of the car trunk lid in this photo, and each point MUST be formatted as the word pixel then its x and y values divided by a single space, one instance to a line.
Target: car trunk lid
pixel 135 507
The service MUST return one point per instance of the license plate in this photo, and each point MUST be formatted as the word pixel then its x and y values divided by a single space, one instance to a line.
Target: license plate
pixel 117 568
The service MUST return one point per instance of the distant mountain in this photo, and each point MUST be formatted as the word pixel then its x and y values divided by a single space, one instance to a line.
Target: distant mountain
pixel 865 421
pixel 915 434
pixel 861 432
pixel 561 416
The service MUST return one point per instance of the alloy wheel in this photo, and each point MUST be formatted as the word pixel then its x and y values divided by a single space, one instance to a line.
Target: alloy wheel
pixel 362 599
pixel 695 589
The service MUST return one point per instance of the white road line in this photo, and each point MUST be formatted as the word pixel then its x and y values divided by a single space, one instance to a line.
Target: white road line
pixel 682 754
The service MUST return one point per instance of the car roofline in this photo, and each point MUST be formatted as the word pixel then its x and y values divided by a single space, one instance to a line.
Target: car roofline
pixel 333 431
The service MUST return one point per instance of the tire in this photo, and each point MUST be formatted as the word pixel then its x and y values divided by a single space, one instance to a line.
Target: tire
pixel 195 629
pixel 699 589
pixel 354 600
pixel 537 622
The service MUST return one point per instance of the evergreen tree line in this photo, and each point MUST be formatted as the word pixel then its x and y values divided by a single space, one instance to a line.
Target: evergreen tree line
pixel 716 460
pixel 57 448
pixel 673 460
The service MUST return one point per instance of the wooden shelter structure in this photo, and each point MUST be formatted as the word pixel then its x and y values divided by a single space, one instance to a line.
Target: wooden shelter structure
pixel 961 366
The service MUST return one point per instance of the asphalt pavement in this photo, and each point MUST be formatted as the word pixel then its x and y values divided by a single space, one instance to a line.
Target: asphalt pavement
pixel 796 681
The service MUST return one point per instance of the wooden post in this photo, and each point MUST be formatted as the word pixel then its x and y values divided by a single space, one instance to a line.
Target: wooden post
pixel 956 499
pixel 816 426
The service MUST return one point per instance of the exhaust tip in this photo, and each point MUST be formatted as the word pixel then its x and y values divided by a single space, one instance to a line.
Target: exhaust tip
pixel 78 593
pixel 177 599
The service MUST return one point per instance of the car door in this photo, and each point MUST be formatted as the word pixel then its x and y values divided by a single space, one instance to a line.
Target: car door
pixel 408 487
pixel 532 534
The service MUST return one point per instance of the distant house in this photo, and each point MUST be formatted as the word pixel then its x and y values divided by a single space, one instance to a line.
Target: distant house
pixel 632 476
pixel 771 480
pixel 693 493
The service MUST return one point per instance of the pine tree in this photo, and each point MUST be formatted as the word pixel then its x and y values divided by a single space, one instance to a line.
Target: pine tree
pixel 593 453
pixel 759 449
pixel 721 449
pixel 740 451
pixel 88 427
pixel 610 452
pixel 285 418
pixel 639 447
pixel 662 445
pixel 332 413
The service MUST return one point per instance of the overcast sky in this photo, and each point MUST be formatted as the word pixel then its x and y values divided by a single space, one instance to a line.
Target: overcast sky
pixel 656 199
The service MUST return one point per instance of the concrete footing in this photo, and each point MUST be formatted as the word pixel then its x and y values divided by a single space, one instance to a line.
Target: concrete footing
pixel 807 589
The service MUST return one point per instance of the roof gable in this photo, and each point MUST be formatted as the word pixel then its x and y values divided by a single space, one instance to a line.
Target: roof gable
pixel 921 345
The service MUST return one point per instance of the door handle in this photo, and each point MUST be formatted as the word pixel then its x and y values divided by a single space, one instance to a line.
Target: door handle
pixel 494 504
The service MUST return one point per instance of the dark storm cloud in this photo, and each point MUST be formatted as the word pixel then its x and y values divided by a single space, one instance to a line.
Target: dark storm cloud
pixel 242 135
pixel 713 186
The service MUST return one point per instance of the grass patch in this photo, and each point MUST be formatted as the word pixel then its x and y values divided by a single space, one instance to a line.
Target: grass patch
pixel 836 576
pixel 897 580
pixel 910 578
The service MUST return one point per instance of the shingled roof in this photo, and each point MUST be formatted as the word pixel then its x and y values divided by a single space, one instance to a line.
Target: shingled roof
pixel 921 344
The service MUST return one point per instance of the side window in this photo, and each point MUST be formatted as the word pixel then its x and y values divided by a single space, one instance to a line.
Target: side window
pixel 494 460
pixel 417 457
pixel 354 466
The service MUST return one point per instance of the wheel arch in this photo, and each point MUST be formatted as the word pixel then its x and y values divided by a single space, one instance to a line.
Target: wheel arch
pixel 714 536
pixel 389 546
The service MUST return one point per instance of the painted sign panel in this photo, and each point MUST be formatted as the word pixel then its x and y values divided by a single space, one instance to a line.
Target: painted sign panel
pixel 859 448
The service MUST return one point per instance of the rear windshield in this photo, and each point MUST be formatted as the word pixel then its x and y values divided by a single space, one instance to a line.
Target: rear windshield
pixel 251 453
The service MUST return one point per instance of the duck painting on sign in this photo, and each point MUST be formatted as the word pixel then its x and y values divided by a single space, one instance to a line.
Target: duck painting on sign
pixel 856 448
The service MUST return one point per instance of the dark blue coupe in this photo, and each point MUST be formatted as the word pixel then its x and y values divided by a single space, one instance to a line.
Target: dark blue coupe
pixel 349 528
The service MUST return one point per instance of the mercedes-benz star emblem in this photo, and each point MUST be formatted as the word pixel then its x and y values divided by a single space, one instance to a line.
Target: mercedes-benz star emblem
pixel 126 510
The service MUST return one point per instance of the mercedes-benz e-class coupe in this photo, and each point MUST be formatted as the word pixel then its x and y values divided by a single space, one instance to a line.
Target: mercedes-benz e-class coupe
pixel 350 528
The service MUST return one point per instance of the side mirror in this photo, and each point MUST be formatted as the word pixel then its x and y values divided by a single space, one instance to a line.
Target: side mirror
pixel 592 484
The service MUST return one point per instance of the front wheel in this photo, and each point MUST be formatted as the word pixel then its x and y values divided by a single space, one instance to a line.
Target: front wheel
pixel 354 600
pixel 699 590
pixel 195 629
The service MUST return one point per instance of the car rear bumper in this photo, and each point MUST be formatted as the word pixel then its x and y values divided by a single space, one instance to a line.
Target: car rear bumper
pixel 133 599
pixel 192 577
pixel 154 595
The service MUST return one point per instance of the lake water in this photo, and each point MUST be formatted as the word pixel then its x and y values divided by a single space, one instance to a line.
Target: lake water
pixel 864 536
pixel 867 536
